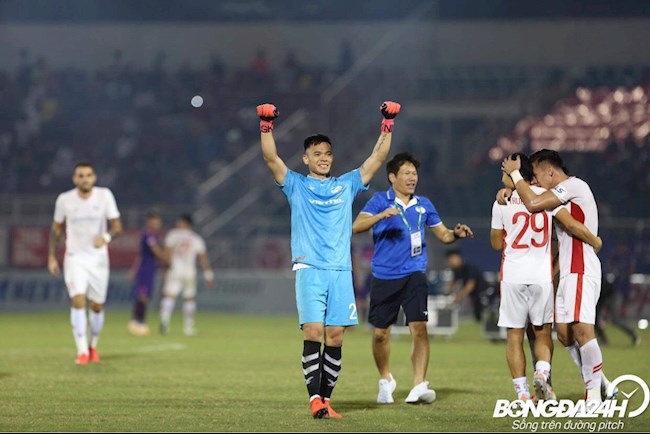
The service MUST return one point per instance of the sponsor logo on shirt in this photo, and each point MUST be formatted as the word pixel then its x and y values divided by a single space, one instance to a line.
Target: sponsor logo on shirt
pixel 326 202
pixel 337 189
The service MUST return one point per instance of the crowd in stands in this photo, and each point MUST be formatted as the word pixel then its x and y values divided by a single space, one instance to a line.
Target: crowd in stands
pixel 149 144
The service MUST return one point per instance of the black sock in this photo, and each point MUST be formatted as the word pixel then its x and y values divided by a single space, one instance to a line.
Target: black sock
pixel 139 309
pixel 311 366
pixel 331 361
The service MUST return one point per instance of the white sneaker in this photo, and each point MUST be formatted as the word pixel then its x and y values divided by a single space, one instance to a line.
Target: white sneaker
pixel 386 389
pixel 542 389
pixel 421 394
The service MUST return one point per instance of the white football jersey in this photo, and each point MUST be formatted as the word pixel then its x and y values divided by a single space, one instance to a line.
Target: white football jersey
pixel 185 245
pixel 85 219
pixel 577 257
pixel 526 256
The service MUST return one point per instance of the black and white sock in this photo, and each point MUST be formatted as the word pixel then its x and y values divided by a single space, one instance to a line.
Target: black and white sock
pixel 311 367
pixel 331 368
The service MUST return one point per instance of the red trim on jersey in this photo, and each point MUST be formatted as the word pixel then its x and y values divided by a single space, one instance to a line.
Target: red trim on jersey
pixel 597 368
pixel 576 308
pixel 577 246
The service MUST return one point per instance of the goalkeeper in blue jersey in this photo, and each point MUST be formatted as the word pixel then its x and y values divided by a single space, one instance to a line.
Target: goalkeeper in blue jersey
pixel 321 229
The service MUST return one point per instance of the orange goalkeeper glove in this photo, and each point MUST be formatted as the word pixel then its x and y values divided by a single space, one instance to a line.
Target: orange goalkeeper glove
pixel 267 113
pixel 389 109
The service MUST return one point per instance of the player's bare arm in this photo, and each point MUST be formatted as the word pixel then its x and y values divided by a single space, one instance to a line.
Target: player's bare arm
pixel 134 267
pixel 532 201
pixel 448 236
pixel 578 230
pixel 467 289
pixel 365 221
pixel 114 232
pixel 208 274
pixel 55 235
pixel 374 162
pixel 496 238
pixel 267 113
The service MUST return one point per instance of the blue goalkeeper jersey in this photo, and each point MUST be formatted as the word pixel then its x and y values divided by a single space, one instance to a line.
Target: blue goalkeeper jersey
pixel 321 218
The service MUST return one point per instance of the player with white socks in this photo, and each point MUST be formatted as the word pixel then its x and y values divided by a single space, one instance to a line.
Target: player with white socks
pixel 182 248
pixel 580 269
pixel 85 210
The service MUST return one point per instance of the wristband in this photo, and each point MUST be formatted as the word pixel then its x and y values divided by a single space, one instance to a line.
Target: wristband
pixel 107 237
pixel 266 126
pixel 208 275
pixel 516 176
pixel 387 125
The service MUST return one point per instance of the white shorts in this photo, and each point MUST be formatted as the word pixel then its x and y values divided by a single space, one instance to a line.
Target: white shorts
pixel 174 284
pixel 576 299
pixel 87 276
pixel 521 302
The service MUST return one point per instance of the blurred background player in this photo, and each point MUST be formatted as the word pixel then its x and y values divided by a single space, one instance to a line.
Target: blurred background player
pixel 399 220
pixel 182 248
pixel 321 232
pixel 471 281
pixel 580 268
pixel 85 210
pixel 144 270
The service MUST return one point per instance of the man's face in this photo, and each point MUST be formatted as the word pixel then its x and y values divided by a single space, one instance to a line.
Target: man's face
pixel 84 178
pixel 544 175
pixel 319 158
pixel 406 179
pixel 454 261
pixel 154 224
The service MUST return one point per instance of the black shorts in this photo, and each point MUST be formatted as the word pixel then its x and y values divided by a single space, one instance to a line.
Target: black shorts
pixel 386 297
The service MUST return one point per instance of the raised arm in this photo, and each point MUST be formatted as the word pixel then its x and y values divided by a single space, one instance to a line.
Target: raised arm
pixel 533 201
pixel 267 113
pixel 578 230
pixel 379 153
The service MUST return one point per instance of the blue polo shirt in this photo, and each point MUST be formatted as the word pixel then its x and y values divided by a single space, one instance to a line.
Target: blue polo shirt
pixel 392 257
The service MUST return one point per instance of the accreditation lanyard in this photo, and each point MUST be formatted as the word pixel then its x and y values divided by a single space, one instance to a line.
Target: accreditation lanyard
pixel 416 237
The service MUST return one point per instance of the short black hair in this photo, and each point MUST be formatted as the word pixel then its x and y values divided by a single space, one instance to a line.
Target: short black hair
pixel 153 214
pixel 526 169
pixel 83 164
pixel 398 161
pixel 452 252
pixel 316 139
pixel 549 156
pixel 187 218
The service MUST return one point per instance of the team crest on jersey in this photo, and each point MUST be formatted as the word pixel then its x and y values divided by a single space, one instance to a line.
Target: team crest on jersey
pixel 337 189
pixel 420 209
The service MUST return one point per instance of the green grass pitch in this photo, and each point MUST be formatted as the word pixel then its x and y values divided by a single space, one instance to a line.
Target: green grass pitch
pixel 243 373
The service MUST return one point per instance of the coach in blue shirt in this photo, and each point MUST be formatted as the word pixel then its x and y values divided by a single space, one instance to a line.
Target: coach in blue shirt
pixel 398 219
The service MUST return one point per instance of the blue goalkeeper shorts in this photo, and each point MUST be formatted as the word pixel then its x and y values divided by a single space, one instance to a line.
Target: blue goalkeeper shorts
pixel 325 296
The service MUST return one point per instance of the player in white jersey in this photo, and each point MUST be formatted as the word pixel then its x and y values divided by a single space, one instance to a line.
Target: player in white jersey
pixel 580 271
pixel 182 248
pixel 85 210
pixel 526 284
